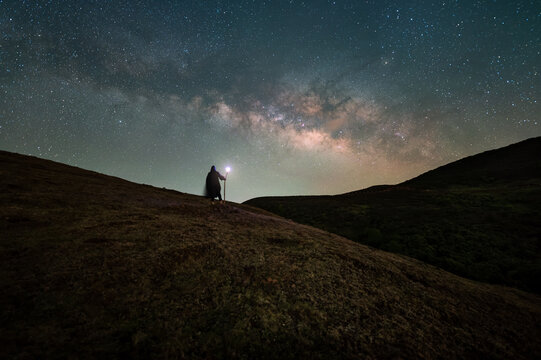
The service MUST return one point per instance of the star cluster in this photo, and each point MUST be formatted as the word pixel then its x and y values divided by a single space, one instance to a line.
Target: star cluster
pixel 298 97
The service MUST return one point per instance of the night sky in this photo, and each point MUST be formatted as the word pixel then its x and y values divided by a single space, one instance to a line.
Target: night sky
pixel 298 97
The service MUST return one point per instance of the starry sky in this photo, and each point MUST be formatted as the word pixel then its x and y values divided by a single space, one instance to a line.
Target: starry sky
pixel 298 97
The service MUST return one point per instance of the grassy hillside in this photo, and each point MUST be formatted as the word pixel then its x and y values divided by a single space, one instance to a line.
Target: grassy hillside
pixel 478 217
pixel 93 266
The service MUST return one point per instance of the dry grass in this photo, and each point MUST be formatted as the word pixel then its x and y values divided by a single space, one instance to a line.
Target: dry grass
pixel 94 266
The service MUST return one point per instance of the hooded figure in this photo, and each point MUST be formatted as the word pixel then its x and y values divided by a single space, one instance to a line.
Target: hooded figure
pixel 213 188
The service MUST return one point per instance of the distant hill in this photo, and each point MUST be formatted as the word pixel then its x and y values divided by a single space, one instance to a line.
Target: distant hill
pixel 513 163
pixel 478 217
pixel 93 266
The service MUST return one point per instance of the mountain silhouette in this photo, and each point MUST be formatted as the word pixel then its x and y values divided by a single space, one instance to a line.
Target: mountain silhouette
pixel 93 266
pixel 478 217
pixel 513 163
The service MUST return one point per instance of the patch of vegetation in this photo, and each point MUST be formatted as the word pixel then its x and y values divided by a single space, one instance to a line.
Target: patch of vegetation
pixel 478 217
pixel 490 234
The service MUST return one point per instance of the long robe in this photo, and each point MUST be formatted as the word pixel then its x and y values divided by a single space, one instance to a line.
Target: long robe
pixel 213 187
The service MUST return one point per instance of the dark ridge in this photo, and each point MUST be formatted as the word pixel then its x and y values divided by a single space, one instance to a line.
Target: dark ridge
pixel 515 162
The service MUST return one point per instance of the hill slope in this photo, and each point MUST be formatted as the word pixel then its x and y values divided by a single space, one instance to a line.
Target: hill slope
pixel 95 266
pixel 511 164
pixel 478 217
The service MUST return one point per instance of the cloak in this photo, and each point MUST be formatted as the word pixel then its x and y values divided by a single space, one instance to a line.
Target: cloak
pixel 213 187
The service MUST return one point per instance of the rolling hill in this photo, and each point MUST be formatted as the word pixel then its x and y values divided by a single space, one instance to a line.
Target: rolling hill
pixel 478 217
pixel 93 266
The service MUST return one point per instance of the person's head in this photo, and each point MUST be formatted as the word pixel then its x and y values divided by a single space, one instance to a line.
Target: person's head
pixel 213 168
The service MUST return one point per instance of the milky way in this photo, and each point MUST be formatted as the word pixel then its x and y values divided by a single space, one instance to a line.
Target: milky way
pixel 298 97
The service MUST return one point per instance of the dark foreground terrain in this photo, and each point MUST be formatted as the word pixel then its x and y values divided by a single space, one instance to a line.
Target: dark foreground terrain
pixel 479 217
pixel 93 266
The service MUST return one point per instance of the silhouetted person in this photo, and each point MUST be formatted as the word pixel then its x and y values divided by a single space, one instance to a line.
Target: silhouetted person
pixel 213 188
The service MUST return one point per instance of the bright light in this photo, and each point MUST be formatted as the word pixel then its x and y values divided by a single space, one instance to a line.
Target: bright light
pixel 227 169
